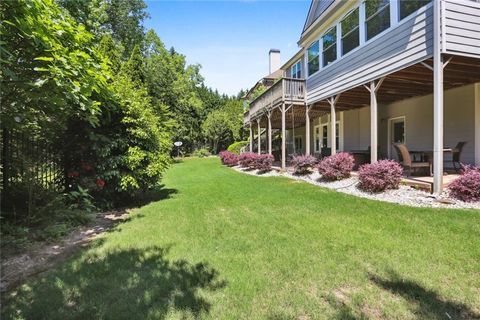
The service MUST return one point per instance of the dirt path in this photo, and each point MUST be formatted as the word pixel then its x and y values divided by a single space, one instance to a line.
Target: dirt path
pixel 42 257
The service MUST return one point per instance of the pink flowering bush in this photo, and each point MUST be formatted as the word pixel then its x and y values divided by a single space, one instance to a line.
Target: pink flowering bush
pixel 380 176
pixel 336 167
pixel 467 186
pixel 247 159
pixel 228 158
pixel 263 162
pixel 303 163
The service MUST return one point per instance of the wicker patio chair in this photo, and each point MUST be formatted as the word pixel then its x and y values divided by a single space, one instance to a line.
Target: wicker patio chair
pixel 406 159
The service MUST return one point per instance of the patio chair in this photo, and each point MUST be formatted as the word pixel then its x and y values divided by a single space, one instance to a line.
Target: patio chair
pixel 406 160
pixel 456 153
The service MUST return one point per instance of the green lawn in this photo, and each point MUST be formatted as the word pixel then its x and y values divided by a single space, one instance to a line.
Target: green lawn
pixel 225 245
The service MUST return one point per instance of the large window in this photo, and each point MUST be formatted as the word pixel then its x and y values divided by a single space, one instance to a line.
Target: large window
pixel 407 7
pixel 350 32
pixel 377 17
pixel 297 70
pixel 313 58
pixel 329 41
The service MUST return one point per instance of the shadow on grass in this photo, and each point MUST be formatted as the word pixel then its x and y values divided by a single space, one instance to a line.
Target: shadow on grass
pixel 429 303
pixel 131 284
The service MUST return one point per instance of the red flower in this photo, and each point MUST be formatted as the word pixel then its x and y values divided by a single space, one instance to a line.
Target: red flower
pixel 100 183
pixel 86 166
pixel 73 174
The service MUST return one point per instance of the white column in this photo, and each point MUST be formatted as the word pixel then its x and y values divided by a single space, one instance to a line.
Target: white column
pixel 373 123
pixel 284 162
pixel 477 124
pixel 437 102
pixel 259 137
pixel 333 126
pixel 269 115
pixel 361 25
pixel 251 138
pixel 307 130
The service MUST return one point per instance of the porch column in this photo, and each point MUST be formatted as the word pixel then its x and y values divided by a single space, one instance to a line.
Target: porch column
pixel 269 116
pixel 307 130
pixel 251 137
pixel 373 88
pixel 333 124
pixel 284 162
pixel 437 101
pixel 259 137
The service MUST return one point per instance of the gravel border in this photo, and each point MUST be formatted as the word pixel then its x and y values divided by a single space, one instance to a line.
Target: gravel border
pixel 404 195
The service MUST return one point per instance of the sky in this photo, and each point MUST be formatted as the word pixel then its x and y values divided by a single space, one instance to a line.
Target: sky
pixel 229 39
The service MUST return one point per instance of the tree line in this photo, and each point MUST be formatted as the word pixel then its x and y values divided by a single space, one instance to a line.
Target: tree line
pixel 106 93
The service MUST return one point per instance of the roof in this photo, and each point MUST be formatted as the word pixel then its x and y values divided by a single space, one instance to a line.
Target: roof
pixel 292 60
pixel 317 8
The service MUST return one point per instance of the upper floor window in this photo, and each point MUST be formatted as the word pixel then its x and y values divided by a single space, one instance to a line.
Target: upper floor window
pixel 350 32
pixel 297 70
pixel 329 41
pixel 313 58
pixel 407 7
pixel 377 17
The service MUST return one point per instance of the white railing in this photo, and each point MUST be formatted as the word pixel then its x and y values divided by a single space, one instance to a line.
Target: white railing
pixel 285 89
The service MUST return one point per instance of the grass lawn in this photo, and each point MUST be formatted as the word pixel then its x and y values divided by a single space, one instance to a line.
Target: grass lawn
pixel 225 245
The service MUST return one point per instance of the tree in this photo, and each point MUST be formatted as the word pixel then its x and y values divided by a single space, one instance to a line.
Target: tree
pixel 217 128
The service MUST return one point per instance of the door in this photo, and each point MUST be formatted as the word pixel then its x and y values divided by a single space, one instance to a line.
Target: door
pixel 396 134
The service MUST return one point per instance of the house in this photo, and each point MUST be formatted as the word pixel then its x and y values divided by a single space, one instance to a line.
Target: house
pixel 373 73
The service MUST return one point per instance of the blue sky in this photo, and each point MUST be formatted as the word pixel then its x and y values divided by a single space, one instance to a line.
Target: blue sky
pixel 230 39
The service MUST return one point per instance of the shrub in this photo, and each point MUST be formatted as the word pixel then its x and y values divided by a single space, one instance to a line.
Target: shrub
pixel 201 153
pixel 380 176
pixel 303 163
pixel 247 159
pixel 336 167
pixel 467 186
pixel 263 162
pixel 236 146
pixel 228 158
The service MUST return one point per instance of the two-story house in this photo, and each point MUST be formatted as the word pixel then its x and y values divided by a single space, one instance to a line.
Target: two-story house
pixel 374 73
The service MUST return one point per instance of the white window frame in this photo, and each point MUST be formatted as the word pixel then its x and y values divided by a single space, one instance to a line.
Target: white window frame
pixel 333 44
pixel 315 136
pixel 298 66
pixel 320 50
pixel 340 131
pixel 341 37
pixel 389 133
pixel 295 147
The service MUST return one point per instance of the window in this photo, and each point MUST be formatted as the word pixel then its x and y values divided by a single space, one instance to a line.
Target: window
pixel 407 7
pixel 350 32
pixel 317 139
pixel 337 136
pixel 298 145
pixel 324 136
pixel 329 41
pixel 313 58
pixel 296 71
pixel 377 17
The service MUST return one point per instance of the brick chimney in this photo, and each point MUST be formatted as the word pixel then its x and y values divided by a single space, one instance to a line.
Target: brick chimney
pixel 274 60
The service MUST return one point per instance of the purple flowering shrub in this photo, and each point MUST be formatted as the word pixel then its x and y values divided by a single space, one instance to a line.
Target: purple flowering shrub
pixel 467 186
pixel 336 167
pixel 380 176
pixel 228 158
pixel 263 162
pixel 247 159
pixel 303 163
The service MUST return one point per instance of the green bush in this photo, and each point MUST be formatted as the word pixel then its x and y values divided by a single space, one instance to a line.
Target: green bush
pixel 201 153
pixel 236 146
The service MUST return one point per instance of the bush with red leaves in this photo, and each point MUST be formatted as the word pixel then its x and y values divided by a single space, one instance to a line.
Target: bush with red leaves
pixel 263 162
pixel 228 158
pixel 247 159
pixel 303 163
pixel 467 186
pixel 336 167
pixel 380 176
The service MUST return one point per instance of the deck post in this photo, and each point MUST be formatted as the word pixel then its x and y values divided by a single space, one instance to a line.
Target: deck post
pixel 437 101
pixel 333 124
pixel 307 130
pixel 259 137
pixel 269 116
pixel 373 89
pixel 251 137
pixel 284 162
pixel 373 123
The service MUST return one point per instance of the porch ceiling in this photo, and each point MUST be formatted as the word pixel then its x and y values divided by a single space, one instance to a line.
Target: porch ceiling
pixel 413 81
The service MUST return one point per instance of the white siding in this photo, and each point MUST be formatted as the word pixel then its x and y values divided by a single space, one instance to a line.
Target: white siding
pixel 405 44
pixel 462 27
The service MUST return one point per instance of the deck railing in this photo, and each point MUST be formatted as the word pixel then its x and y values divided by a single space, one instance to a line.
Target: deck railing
pixel 284 90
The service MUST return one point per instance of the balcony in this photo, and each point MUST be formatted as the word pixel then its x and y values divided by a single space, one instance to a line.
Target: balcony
pixel 285 90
